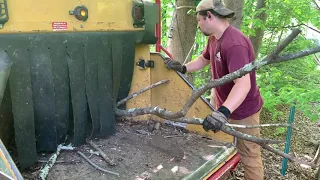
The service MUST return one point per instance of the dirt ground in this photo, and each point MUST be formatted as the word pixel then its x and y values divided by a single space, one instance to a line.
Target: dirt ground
pixel 140 154
pixel 163 153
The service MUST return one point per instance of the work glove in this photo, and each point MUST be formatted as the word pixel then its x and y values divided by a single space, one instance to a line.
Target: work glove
pixel 216 120
pixel 175 65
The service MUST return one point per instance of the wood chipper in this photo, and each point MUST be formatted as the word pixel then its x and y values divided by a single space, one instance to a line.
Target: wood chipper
pixel 64 65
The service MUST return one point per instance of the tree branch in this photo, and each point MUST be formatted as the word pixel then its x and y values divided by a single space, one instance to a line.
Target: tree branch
pixel 257 126
pixel 141 91
pixel 290 158
pixel 260 141
pixel 163 113
pixel 315 2
pixel 294 26
pixel 247 137
pixel 179 116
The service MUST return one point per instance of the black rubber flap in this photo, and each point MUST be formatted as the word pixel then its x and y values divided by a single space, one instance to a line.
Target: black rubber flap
pixel 105 79
pixel 77 84
pixel 117 56
pixel 127 67
pixel 58 55
pixel 43 94
pixel 22 98
pixel 93 55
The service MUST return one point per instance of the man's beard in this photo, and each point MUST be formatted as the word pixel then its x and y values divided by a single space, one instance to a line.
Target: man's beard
pixel 204 33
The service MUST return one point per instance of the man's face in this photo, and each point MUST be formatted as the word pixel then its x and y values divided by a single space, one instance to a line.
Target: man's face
pixel 204 25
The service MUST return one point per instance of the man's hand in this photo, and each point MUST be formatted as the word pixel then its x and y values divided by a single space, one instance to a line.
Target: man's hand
pixel 216 120
pixel 175 65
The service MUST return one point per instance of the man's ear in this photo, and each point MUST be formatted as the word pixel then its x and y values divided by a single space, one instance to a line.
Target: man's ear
pixel 209 14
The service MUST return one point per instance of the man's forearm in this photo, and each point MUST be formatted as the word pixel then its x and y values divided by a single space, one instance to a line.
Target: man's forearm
pixel 199 63
pixel 238 93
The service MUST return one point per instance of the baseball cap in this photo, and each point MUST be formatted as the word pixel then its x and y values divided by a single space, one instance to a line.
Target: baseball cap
pixel 215 5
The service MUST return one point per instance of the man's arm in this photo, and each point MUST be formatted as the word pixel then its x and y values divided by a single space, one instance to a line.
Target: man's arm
pixel 238 93
pixel 237 57
pixel 198 63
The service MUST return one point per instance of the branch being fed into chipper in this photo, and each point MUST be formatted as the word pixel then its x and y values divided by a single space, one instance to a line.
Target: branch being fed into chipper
pixel 270 59
pixel 180 115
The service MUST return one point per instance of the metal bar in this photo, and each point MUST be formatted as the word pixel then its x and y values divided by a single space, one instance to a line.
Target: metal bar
pixel 288 141
pixel 166 51
pixel 158 28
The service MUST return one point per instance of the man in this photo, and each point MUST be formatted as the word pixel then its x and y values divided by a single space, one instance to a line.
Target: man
pixel 238 102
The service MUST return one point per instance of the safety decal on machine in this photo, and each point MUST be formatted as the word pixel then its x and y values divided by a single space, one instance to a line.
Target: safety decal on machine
pixel 59 26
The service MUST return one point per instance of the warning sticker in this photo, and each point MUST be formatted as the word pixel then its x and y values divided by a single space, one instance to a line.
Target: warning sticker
pixel 59 26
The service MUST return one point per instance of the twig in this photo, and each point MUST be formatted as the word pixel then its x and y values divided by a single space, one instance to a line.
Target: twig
pixel 315 2
pixel 141 91
pixel 189 7
pixel 178 135
pixel 45 161
pixel 104 156
pixel 96 166
pixel 291 158
pixel 316 156
pixel 45 170
pixel 297 25
pixel 257 126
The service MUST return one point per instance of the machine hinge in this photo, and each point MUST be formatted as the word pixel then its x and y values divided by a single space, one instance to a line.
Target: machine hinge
pixel 143 64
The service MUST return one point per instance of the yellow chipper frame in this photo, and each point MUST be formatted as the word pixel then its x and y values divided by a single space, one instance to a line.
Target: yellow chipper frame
pixel 65 64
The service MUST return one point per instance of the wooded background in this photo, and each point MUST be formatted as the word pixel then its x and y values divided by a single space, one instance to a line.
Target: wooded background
pixel 266 23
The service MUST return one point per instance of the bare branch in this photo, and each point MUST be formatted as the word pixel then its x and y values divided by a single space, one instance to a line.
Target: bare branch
pixel 96 166
pixel 101 153
pixel 45 170
pixel 290 158
pixel 141 91
pixel 293 56
pixel 293 26
pixel 163 113
pixel 248 137
pixel 257 126
pixel 315 2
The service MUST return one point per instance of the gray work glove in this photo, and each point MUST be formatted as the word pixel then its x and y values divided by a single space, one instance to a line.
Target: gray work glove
pixel 216 120
pixel 175 65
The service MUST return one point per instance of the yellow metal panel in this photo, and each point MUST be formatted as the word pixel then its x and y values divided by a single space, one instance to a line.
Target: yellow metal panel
pixel 173 96
pixel 140 80
pixel 38 15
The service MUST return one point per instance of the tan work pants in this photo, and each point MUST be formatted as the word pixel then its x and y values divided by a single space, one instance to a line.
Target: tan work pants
pixel 250 152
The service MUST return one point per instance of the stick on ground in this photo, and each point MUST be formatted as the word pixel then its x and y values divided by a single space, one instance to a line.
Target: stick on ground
pixel 104 156
pixel 45 170
pixel 96 166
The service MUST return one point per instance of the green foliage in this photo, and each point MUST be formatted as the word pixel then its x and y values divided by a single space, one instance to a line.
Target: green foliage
pixel 280 131
pixel 297 80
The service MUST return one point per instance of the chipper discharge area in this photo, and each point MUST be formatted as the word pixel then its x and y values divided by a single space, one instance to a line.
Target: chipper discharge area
pixel 71 62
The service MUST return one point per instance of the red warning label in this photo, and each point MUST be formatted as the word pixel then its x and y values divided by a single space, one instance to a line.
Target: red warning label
pixel 59 26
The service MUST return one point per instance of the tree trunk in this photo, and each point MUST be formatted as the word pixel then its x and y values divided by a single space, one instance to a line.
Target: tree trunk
pixel 183 31
pixel 237 7
pixel 257 38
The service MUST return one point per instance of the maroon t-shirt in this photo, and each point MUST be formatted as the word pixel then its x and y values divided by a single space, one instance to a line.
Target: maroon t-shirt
pixel 228 54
